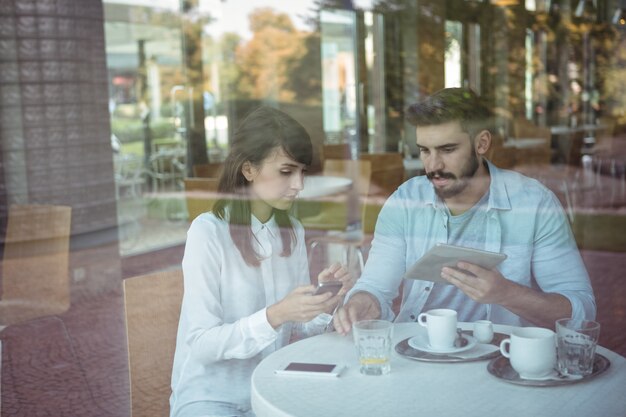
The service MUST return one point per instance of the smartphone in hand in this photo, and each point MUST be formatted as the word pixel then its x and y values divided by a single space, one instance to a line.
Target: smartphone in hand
pixel 329 286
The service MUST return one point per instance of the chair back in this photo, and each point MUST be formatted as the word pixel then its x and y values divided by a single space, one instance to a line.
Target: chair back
pixel 501 157
pixel 333 214
pixel 336 151
pixel 533 155
pixel 35 279
pixel 359 171
pixel 200 195
pixel 604 136
pixel 212 170
pixel 387 172
pixel 152 308
pixel 370 211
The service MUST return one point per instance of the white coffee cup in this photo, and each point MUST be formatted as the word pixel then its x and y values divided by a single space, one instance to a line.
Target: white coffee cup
pixel 483 331
pixel 441 325
pixel 532 351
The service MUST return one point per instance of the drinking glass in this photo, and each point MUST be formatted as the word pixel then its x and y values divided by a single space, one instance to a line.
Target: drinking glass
pixel 576 346
pixel 373 339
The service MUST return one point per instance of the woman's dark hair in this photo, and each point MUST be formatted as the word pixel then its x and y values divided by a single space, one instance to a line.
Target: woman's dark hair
pixel 451 105
pixel 260 133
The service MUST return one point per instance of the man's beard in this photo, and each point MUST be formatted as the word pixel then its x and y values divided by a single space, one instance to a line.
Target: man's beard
pixel 467 173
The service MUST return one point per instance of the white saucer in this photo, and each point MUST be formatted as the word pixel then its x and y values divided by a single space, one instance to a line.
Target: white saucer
pixel 420 342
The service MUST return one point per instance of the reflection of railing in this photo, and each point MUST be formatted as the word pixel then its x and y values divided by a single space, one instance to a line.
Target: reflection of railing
pixel 167 169
pixel 594 197
pixel 129 175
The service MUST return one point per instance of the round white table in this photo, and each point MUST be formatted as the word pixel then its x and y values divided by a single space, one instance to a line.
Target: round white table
pixel 323 185
pixel 416 388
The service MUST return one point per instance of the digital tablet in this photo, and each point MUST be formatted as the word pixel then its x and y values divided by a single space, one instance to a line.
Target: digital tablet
pixel 428 267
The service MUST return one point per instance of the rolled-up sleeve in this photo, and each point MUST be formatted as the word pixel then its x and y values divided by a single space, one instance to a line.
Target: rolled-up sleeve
pixel 556 262
pixel 386 262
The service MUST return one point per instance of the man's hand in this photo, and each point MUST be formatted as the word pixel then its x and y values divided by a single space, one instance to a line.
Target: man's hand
pixel 490 287
pixel 361 306
pixel 486 286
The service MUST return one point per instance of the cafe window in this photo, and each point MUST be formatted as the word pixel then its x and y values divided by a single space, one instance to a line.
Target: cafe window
pixel 111 107
pixel 454 64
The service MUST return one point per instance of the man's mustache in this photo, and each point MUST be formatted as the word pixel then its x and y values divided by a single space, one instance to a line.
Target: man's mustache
pixel 440 174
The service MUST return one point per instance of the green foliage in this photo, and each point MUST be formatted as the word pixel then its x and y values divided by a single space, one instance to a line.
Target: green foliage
pixel 132 130
pixel 135 148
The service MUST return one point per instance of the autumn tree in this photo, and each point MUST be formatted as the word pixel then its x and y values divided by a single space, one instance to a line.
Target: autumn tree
pixel 265 62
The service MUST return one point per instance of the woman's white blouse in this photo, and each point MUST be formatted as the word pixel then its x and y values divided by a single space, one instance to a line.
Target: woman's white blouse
pixel 223 331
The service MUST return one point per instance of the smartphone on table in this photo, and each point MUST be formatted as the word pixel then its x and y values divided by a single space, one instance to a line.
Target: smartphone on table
pixel 311 369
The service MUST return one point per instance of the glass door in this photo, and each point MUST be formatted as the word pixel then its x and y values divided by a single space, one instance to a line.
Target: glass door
pixel 151 106
pixel 342 96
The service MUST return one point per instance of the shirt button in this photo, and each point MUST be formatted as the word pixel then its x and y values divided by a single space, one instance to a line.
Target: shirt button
pixel 412 316
pixel 427 289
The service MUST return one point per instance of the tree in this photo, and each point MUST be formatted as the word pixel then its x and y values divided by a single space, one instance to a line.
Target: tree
pixel 266 61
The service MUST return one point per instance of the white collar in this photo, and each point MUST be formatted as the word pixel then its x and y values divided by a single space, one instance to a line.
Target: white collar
pixel 269 225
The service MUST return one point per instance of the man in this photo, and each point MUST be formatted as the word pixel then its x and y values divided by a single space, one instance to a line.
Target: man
pixel 465 200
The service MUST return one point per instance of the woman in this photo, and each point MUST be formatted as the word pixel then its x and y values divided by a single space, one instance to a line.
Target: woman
pixel 246 275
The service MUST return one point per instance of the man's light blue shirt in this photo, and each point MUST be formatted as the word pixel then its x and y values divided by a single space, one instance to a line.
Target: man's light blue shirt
pixel 525 221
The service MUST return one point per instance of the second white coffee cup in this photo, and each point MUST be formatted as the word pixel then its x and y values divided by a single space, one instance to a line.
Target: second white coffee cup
pixel 532 351
pixel 441 325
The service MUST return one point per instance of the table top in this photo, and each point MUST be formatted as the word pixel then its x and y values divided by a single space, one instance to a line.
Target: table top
pixel 413 164
pixel 525 143
pixel 424 388
pixel 564 129
pixel 323 185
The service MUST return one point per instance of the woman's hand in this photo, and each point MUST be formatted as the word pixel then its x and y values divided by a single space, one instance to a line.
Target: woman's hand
pixel 336 272
pixel 300 306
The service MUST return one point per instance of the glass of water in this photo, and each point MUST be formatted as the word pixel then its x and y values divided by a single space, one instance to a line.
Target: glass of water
pixel 576 346
pixel 373 339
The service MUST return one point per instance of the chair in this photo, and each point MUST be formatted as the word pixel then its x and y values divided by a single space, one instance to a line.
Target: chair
pixel 501 156
pixel 167 169
pixel 594 196
pixel 387 172
pixel 336 151
pixel 130 175
pixel 35 266
pixel 213 170
pixel 333 216
pixel 152 309
pixel 604 136
pixel 353 244
pixel 533 155
pixel 200 195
